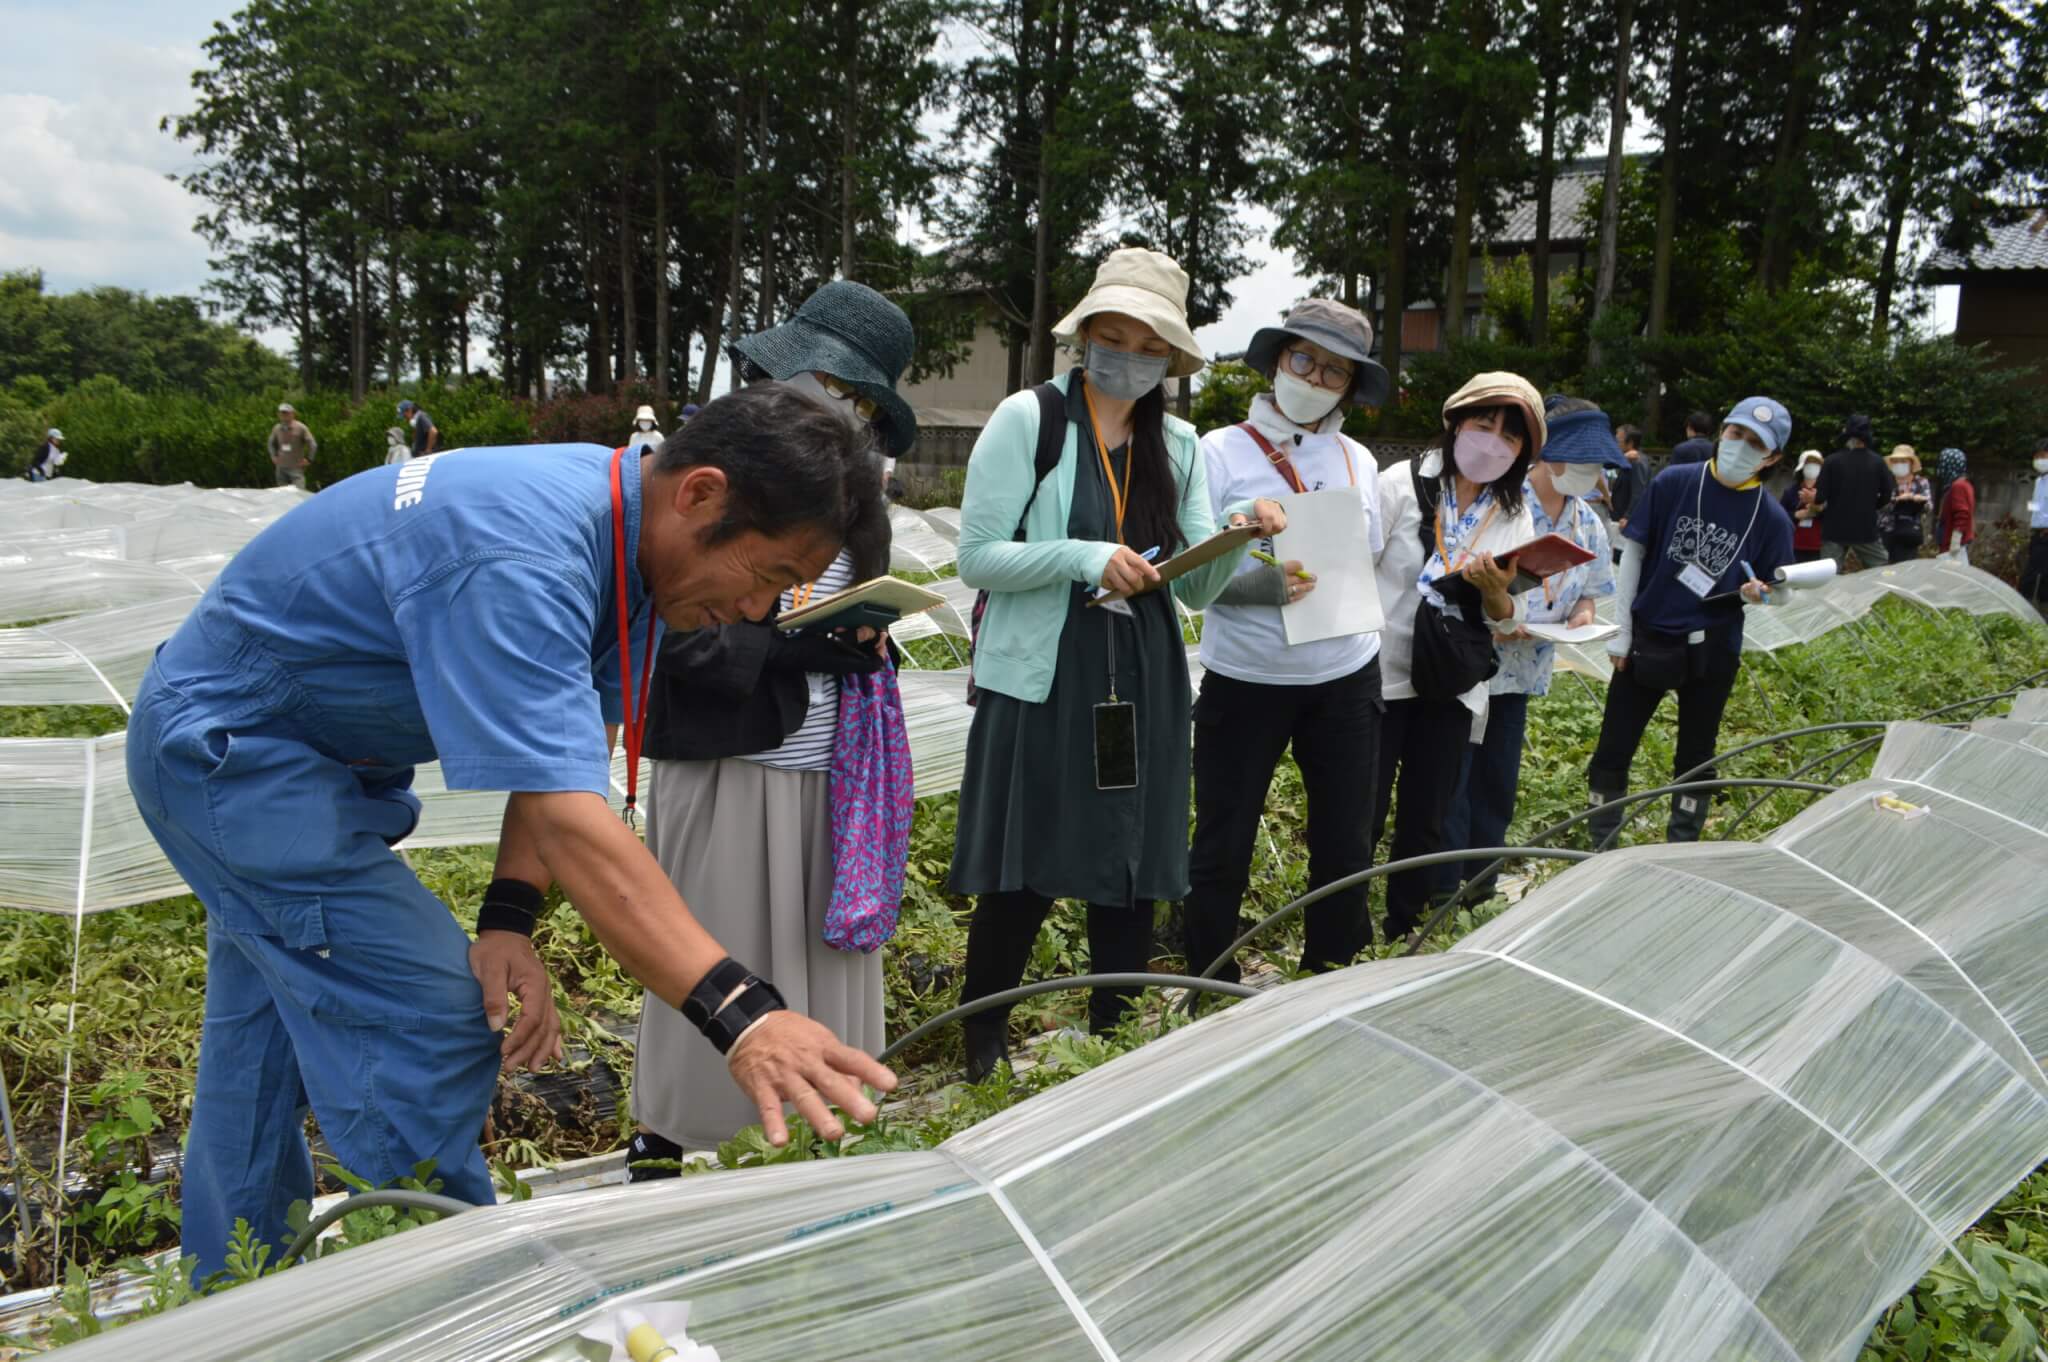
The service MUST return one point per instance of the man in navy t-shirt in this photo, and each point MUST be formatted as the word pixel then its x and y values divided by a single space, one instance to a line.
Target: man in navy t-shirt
pixel 1701 544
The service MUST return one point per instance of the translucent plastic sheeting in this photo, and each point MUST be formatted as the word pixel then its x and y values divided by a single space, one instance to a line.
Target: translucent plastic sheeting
pixel 1712 1101
pixel 71 840
pixel 1929 582
pixel 2031 706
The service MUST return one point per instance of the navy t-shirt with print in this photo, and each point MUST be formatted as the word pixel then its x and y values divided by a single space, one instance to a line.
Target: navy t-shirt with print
pixel 1688 517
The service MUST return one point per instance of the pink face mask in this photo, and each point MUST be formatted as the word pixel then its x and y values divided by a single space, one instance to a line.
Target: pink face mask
pixel 1482 455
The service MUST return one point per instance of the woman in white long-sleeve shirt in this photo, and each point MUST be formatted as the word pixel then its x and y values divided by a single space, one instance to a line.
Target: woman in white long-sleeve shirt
pixel 1261 694
pixel 1446 517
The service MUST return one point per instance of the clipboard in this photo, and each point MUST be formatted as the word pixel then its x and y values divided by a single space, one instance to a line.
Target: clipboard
pixel 873 604
pixel 1199 555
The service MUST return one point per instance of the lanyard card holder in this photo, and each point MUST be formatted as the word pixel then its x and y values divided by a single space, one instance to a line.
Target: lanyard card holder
pixel 1116 745
pixel 1116 732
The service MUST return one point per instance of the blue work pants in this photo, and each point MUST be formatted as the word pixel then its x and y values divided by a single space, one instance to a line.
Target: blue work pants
pixel 1484 805
pixel 335 981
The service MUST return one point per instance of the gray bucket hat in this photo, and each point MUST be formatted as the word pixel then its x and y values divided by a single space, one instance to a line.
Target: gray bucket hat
pixel 1339 329
pixel 856 335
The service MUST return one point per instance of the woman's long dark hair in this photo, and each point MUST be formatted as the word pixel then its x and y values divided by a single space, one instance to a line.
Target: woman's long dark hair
pixel 1152 515
pixel 1507 488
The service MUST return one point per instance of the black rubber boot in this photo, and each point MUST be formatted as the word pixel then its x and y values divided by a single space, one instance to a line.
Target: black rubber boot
pixel 1688 816
pixel 648 1145
pixel 1605 826
pixel 988 1044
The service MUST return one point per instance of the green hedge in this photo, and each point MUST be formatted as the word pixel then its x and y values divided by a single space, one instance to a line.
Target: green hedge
pixel 117 435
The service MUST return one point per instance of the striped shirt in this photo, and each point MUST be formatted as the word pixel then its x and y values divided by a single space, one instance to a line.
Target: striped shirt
pixel 810 747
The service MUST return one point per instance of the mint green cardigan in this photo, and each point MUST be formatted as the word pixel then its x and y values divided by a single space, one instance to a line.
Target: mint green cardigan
pixel 1028 583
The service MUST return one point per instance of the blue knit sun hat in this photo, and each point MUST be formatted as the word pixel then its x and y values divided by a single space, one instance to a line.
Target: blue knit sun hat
pixel 1583 437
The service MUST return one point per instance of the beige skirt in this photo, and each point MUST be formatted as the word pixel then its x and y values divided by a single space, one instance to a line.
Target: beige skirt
pixel 750 849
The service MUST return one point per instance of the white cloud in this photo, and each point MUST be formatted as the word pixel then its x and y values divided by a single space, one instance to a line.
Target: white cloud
pixel 85 195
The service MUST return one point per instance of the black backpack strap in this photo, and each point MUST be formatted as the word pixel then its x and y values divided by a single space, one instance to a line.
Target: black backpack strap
pixel 1427 495
pixel 1052 441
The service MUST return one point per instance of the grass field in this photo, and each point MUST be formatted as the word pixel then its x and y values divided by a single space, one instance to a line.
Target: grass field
pixel 132 1055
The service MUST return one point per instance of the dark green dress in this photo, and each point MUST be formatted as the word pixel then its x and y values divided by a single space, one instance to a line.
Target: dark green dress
pixel 1030 815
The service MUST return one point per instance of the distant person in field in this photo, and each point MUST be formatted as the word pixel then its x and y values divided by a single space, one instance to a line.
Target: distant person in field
pixel 1798 501
pixel 1854 486
pixel 1625 486
pixel 1698 444
pixel 644 435
pixel 426 436
pixel 2034 577
pixel 397 448
pixel 1958 517
pixel 48 459
pixel 292 447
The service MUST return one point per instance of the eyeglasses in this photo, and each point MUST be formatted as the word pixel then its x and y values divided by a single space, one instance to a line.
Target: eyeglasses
pixel 1302 364
pixel 863 405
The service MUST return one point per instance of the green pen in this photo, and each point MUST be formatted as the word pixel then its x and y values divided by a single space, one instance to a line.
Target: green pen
pixel 1270 561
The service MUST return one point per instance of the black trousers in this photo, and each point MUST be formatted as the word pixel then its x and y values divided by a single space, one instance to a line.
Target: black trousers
pixel 1901 549
pixel 1005 927
pixel 2034 576
pixel 1241 730
pixel 1422 751
pixel 1630 706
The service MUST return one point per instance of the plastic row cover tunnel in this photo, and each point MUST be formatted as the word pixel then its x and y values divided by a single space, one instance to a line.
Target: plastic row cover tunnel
pixel 1719 1101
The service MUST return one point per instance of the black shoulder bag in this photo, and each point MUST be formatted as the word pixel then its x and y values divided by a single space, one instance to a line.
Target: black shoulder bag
pixel 1451 655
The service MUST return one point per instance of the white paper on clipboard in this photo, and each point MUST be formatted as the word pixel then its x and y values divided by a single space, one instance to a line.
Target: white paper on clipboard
pixel 1326 534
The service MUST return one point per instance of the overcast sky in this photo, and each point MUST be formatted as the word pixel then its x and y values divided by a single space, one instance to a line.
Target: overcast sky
pixel 83 188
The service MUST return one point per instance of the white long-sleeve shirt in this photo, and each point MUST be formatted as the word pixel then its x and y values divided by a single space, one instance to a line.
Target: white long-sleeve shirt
pixel 1249 642
pixel 1400 564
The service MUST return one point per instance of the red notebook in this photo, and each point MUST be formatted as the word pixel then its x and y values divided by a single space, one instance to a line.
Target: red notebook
pixel 1540 558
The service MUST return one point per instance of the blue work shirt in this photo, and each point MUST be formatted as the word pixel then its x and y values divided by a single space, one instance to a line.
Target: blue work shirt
pixel 2038 520
pixel 459 607
pixel 1687 517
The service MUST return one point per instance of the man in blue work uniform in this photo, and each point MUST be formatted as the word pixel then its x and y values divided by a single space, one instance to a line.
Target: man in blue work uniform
pixel 470 609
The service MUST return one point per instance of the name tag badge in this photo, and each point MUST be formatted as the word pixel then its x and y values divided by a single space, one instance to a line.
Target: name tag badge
pixel 1696 580
pixel 1119 606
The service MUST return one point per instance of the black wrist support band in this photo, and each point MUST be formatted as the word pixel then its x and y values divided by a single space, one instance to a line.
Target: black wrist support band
pixel 722 1021
pixel 510 906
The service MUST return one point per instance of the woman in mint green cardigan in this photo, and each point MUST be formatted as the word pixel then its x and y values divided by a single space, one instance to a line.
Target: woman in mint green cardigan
pixel 1129 490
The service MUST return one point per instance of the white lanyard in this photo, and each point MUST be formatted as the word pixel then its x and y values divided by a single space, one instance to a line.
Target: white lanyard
pixel 1699 518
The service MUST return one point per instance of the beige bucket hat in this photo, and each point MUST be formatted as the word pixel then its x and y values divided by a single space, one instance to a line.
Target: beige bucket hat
pixel 1150 287
pixel 1503 390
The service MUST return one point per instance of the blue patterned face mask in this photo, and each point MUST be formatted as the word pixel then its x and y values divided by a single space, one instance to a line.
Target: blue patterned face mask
pixel 1124 374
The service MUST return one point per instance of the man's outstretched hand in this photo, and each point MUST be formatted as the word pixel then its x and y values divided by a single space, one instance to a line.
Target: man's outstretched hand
pixel 787 1057
pixel 506 963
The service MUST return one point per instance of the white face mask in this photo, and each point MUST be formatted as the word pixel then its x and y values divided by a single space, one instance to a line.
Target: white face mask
pixel 2041 465
pixel 643 425
pixel 1737 461
pixel 1302 402
pixel 1574 479
pixel 1811 472
pixel 1900 470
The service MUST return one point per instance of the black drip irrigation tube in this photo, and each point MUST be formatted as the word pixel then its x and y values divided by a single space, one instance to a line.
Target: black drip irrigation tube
pixel 363 1201
pixel 1016 995
pixel 1324 891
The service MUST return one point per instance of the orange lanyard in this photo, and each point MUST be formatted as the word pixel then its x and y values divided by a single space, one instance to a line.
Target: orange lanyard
pixel 1120 497
pixel 1463 554
pixel 800 596
pixel 1285 466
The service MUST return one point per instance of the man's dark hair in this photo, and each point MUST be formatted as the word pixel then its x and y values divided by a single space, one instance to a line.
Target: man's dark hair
pixel 2041 445
pixel 1698 423
pixel 790 462
pixel 1631 437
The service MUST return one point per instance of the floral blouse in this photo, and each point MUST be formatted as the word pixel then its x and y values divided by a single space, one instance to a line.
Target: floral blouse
pixel 1525 663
